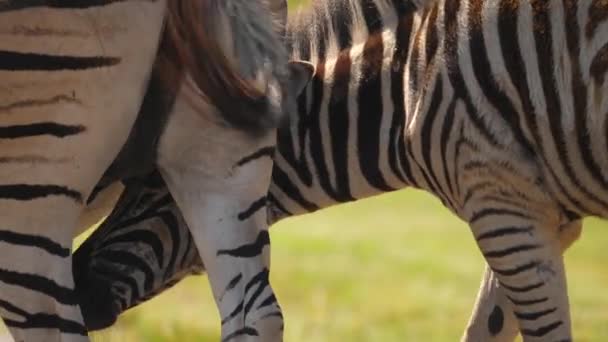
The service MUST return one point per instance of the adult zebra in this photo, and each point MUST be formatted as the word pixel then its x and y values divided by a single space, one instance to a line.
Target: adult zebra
pixel 493 106
pixel 74 74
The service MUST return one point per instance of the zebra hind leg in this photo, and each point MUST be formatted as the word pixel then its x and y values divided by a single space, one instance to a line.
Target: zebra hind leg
pixel 37 302
pixel 219 178
pixel 230 234
pixel 522 249
pixel 493 319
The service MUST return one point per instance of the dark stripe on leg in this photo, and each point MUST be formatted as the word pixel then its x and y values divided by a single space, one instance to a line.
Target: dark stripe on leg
pixel 244 331
pixel 234 282
pixel 517 269
pixel 131 262
pixel 542 331
pixel 41 242
pixel 141 236
pixel 251 250
pixel 532 316
pixel 504 232
pixel 508 251
pixel 496 211
pixel 255 206
pixel 41 321
pixel 262 282
pixel 263 152
pixel 237 310
pixel 40 284
pixel 272 299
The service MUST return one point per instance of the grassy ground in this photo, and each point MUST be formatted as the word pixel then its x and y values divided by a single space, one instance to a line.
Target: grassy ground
pixel 398 267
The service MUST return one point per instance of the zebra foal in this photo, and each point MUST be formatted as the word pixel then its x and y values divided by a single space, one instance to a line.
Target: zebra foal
pixel 496 107
pixel 73 74
pixel 162 251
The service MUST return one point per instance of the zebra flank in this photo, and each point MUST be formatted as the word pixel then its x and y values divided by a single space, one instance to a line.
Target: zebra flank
pixel 43 128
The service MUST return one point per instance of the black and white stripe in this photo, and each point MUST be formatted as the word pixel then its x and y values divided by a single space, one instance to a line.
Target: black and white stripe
pixel 496 107
pixel 52 72
pixel 73 75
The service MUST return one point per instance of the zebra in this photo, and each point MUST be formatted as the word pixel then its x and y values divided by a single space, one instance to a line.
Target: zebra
pixel 493 106
pixel 62 60
pixel 209 168
pixel 98 254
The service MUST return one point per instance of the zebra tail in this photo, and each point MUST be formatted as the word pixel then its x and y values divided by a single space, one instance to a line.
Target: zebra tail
pixel 197 42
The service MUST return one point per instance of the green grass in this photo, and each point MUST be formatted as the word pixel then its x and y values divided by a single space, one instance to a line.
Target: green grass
pixel 398 267
pixel 296 3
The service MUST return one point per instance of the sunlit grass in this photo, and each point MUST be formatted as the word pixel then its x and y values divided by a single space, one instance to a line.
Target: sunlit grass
pixel 398 267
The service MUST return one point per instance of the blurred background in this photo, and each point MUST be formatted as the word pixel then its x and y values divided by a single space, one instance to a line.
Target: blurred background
pixel 398 267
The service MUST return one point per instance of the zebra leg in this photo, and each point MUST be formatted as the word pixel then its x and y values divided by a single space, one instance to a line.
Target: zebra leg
pixel 142 248
pixel 230 232
pixel 69 93
pixel 493 318
pixel 36 288
pixel 219 177
pixel 523 250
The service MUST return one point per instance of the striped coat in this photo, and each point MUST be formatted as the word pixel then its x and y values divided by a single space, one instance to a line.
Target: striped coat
pixel 496 107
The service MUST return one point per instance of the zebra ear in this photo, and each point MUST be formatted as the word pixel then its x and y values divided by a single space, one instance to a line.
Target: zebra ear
pixel 300 74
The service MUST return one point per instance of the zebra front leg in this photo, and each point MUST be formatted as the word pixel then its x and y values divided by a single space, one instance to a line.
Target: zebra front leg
pixel 219 177
pixel 523 250
pixel 230 232
pixel 493 319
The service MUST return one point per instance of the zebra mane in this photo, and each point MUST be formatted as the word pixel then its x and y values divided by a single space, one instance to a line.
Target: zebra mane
pixel 329 26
